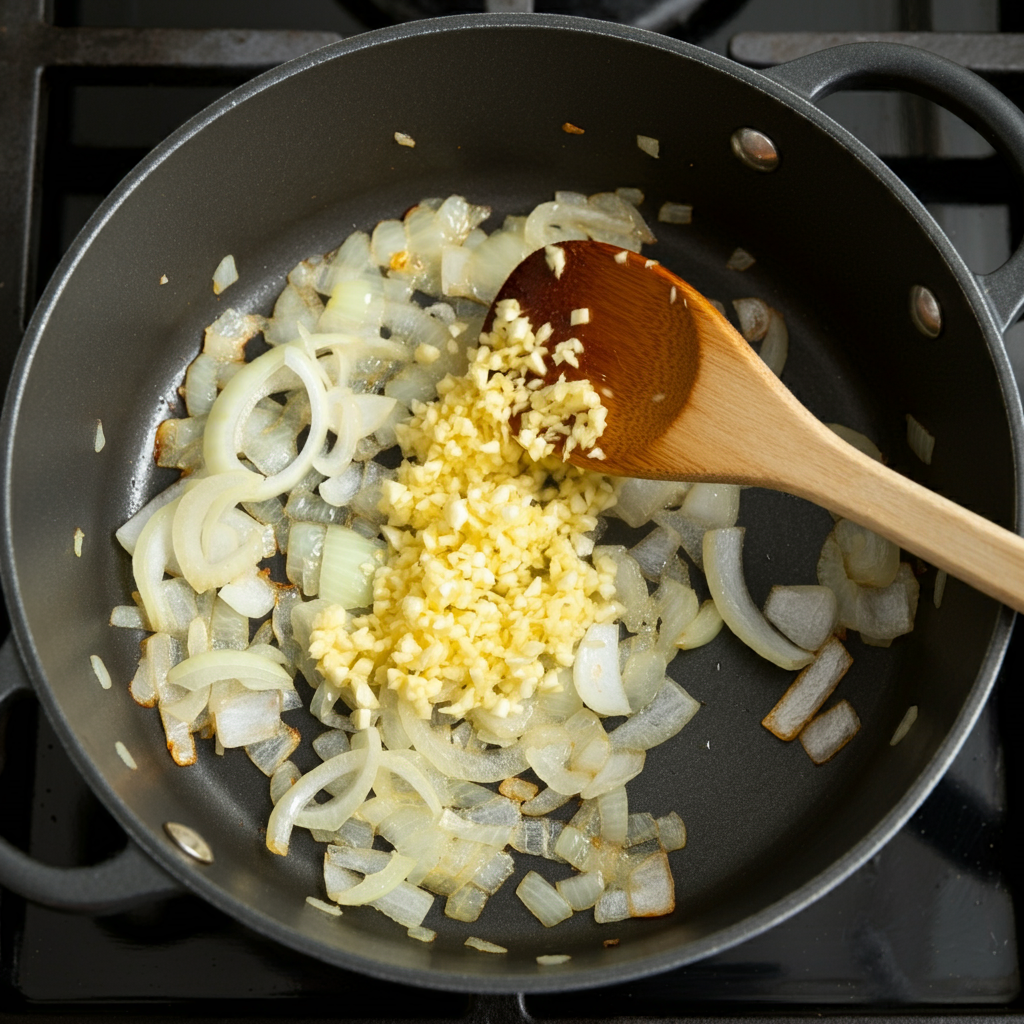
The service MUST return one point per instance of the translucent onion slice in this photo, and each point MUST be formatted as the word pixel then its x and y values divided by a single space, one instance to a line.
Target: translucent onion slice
pixel 581 891
pixel 223 438
pixel 543 900
pixel 868 558
pixel 650 891
pixel 723 563
pixel 806 614
pixel 254 671
pixel 670 710
pixel 811 688
pixel 333 814
pixel 827 734
pixel 394 761
pixel 198 526
pixel 904 727
pixel 595 672
pixel 436 746
pixel 753 316
pixel 377 884
pixel 703 629
pixel 153 551
pixel 775 347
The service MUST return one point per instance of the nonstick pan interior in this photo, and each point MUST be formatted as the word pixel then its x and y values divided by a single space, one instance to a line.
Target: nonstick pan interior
pixel 286 168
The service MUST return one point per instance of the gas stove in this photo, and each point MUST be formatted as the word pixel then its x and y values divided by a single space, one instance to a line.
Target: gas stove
pixel 926 928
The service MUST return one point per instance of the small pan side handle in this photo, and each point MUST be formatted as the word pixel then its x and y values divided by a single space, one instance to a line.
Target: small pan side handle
pixel 128 879
pixel 926 74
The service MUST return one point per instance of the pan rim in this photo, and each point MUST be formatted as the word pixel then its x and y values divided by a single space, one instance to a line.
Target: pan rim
pixel 504 982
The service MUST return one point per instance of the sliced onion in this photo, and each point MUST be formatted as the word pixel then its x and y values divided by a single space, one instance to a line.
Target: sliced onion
pixel 660 720
pixel 723 563
pixel 333 814
pixel 650 890
pixel 254 671
pixel 775 347
pixel 595 672
pixel 908 719
pixel 830 732
pixel 377 884
pixel 703 629
pixel 811 688
pixel 435 745
pixel 805 614
pixel 921 442
pixel 223 437
pixel 753 315
pixel 543 900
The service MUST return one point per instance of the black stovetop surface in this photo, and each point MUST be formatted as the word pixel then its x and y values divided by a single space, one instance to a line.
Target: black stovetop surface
pixel 927 927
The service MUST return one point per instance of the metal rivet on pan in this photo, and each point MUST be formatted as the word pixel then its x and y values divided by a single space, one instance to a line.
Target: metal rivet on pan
pixel 925 311
pixel 755 149
pixel 189 841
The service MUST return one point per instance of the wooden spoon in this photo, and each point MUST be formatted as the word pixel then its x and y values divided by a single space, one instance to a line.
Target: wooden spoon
pixel 689 399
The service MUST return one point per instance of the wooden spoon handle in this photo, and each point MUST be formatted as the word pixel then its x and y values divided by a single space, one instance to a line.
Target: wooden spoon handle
pixel 968 546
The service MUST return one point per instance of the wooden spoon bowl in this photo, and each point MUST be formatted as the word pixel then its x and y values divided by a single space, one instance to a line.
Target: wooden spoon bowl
pixel 689 399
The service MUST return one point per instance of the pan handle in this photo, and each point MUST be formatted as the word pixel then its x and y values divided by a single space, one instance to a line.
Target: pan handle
pixel 981 105
pixel 127 879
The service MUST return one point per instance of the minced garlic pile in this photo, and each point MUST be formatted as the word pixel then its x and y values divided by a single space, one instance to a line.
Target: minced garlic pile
pixel 486 590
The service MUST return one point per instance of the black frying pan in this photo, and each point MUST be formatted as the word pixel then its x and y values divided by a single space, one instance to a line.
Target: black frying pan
pixel 286 167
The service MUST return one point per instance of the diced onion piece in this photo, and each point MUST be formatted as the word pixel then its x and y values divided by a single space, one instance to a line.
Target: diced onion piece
pixel 614 813
pixel 465 904
pixel 775 347
pixel 703 629
pixel 753 315
pixel 595 672
pixel 125 755
pixel 805 614
pixel 582 891
pixel 421 934
pixel 251 595
pixel 712 505
pixel 904 727
pixel 811 688
pixel 723 563
pixel 612 906
pixel 940 588
pixel 670 710
pixel 739 260
pixel 225 275
pixel 328 908
pixel 648 145
pixel 100 671
pixel 868 558
pixel 405 140
pixel 637 500
pixel 332 815
pixel 99 439
pixel 922 443
pixel 483 945
pixel 347 567
pixel 650 890
pixel 245 717
pixel 671 831
pixel 827 734
pixel 543 900
pixel 675 213
pixel 553 959
pixel 857 439
pixel 545 802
